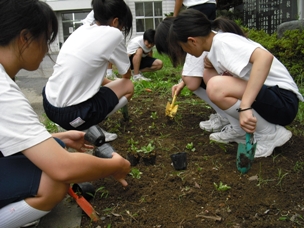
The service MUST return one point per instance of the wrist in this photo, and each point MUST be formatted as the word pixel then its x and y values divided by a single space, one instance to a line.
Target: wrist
pixel 243 109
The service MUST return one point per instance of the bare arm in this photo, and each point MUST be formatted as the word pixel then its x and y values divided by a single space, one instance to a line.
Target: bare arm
pixel 66 167
pixel 177 7
pixel 261 62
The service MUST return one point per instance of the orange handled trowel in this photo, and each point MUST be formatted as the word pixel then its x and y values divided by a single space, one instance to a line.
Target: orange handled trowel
pixel 84 204
pixel 171 109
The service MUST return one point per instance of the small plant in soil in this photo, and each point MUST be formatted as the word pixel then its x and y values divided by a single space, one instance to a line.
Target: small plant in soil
pixel 221 187
pixel 299 166
pixel 102 191
pixel 133 155
pixel 147 149
pixel 154 115
pixel 149 156
pixel 135 173
pixel 190 147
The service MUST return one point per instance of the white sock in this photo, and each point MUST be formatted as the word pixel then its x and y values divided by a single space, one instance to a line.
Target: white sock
pixel 201 93
pixel 122 102
pixel 235 123
pixel 109 71
pixel 262 126
pixel 18 214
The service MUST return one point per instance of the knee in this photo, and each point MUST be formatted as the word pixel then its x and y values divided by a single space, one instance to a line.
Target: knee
pixel 158 64
pixel 49 196
pixel 57 194
pixel 213 90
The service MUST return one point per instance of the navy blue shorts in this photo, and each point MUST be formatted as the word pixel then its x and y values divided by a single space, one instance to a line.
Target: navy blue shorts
pixel 276 105
pixel 209 9
pixel 20 178
pixel 145 62
pixel 92 111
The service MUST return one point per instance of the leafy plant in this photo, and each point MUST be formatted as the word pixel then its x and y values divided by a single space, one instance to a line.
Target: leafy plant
pixel 135 173
pixel 102 191
pixel 221 187
pixel 190 147
pixel 154 115
pixel 133 144
pixel 147 149
pixel 299 166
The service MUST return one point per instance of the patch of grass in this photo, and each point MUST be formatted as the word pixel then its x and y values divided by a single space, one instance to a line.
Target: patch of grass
pixel 49 125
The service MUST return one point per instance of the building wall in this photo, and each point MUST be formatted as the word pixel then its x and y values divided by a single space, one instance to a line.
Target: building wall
pixel 62 6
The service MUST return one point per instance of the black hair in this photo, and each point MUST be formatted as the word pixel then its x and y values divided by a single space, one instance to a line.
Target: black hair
pixel 107 10
pixel 149 35
pixel 32 15
pixel 193 23
pixel 161 38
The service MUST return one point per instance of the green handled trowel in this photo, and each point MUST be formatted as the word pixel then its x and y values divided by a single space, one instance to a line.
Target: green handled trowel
pixel 245 154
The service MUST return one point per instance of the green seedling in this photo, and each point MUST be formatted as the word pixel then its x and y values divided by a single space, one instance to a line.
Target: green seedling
pixel 102 191
pixel 135 173
pixel 147 149
pixel 154 115
pixel 198 168
pixel 221 187
pixel 190 147
pixel 152 126
pixel 281 176
pixel 133 147
pixel 131 141
pixel 299 166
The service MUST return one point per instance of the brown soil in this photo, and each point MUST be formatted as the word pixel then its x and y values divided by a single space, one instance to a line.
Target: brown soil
pixel 269 195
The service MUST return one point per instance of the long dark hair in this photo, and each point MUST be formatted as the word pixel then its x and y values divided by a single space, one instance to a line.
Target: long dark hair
pixel 161 39
pixel 35 16
pixel 106 10
pixel 193 23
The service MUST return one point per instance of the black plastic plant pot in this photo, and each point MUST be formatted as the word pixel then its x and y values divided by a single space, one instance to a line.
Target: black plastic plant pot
pixel 133 158
pixel 149 159
pixel 95 136
pixel 86 189
pixel 179 160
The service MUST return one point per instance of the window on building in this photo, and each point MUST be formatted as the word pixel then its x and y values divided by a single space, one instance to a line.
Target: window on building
pixel 148 15
pixel 71 21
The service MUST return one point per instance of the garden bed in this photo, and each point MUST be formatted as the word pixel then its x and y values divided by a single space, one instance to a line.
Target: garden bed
pixel 270 195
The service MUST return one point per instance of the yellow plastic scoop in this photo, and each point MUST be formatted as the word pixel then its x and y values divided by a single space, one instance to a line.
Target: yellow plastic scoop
pixel 171 109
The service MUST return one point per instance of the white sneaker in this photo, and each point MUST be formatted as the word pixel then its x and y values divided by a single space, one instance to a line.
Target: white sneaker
pixel 215 123
pixel 140 77
pixel 112 76
pixel 227 135
pixel 109 136
pixel 267 142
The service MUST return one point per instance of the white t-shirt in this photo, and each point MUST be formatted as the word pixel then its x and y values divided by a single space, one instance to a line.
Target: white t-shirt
pixel 135 43
pixel 20 127
pixel 89 19
pixel 82 64
pixel 189 3
pixel 194 66
pixel 231 52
